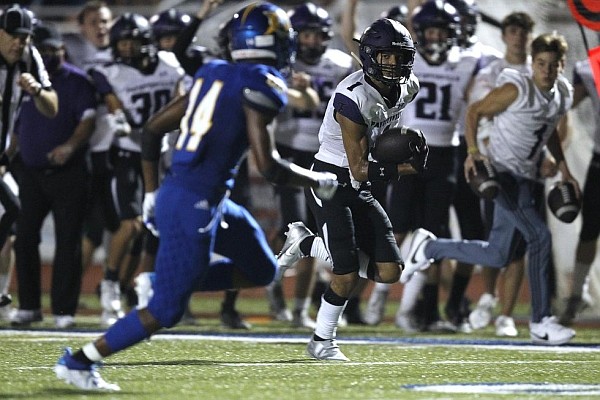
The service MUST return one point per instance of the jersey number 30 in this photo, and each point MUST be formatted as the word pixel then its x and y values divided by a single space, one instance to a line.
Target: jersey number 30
pixel 200 114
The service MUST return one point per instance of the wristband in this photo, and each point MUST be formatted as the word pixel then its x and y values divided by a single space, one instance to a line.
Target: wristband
pixel 382 172
pixel 472 150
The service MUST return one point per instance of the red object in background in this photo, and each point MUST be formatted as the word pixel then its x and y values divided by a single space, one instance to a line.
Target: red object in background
pixel 586 12
pixel 594 55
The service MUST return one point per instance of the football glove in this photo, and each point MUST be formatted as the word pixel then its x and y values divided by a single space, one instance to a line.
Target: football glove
pixel 148 207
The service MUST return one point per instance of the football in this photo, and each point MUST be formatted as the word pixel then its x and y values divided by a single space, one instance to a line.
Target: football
pixel 485 184
pixel 393 146
pixel 563 201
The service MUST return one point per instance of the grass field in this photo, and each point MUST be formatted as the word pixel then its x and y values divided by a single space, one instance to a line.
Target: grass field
pixel 268 362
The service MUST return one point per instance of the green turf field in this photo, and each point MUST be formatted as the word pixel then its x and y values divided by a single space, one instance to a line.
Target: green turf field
pixel 268 362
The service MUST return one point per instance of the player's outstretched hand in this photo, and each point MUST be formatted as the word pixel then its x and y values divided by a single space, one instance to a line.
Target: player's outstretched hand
pixel 327 185
pixel 148 212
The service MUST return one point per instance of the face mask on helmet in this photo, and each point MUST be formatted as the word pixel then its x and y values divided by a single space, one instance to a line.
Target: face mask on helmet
pixel 262 32
pixel 469 18
pixel 387 52
pixel 132 42
pixel 311 20
pixel 169 22
pixel 437 26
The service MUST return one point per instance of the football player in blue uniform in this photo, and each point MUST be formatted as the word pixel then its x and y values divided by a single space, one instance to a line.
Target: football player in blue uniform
pixel 226 111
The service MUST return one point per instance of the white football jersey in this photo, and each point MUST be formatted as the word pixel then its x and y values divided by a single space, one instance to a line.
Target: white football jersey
pixel 583 71
pixel 437 107
pixel 142 95
pixel 86 56
pixel 299 129
pixel 483 83
pixel 374 113
pixel 522 130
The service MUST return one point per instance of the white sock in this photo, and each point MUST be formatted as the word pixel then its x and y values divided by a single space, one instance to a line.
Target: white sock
pixel 91 352
pixel 318 250
pixel 580 272
pixel 301 304
pixel 327 319
pixel 4 281
pixel 411 291
pixel 381 287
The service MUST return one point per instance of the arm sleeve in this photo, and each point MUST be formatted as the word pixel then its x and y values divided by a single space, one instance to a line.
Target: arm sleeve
pixel 345 106
pixel 190 63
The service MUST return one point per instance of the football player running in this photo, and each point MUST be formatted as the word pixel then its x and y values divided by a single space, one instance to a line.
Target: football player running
pixel 363 105
pixel 226 111
pixel 444 74
pixel 318 69
pixel 526 111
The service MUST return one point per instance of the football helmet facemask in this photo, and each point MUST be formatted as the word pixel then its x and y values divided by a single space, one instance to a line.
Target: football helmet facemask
pixel 469 18
pixel 137 28
pixel 309 17
pixel 436 14
pixel 387 36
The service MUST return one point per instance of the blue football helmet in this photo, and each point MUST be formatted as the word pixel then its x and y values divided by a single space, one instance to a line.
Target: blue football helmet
pixel 387 36
pixel 135 27
pixel 399 13
pixel 169 22
pixel 469 18
pixel 262 31
pixel 438 14
pixel 308 16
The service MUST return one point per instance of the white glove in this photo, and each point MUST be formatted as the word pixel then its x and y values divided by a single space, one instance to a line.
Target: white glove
pixel 118 123
pixel 328 184
pixel 148 212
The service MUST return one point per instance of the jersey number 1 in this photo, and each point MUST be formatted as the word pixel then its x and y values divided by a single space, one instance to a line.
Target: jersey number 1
pixel 201 115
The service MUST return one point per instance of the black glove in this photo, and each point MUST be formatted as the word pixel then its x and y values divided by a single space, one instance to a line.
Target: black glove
pixel 420 153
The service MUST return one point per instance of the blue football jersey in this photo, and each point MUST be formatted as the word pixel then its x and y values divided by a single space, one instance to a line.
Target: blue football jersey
pixel 213 134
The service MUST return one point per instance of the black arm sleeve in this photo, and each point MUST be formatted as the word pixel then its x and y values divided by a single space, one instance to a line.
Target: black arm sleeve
pixel 189 64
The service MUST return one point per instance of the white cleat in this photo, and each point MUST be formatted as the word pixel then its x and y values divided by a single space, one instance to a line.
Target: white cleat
pixel 416 259
pixel 505 326
pixel 84 377
pixel 290 252
pixel 110 300
pixel 549 332
pixel 325 350
pixel 481 316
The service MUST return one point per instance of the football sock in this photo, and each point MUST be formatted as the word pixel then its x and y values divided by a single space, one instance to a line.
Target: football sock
pixel 411 292
pixel 457 291
pixel 430 303
pixel 332 306
pixel 579 274
pixel 229 300
pixel 111 275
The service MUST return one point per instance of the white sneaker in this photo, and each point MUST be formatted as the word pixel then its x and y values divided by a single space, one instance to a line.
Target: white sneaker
pixel 325 350
pixel 23 318
pixel 143 288
pixel 300 319
pixel 416 259
pixel 481 316
pixel 6 313
pixel 375 307
pixel 290 252
pixel 505 326
pixel 110 296
pixel 64 321
pixel 549 332
pixel 406 322
pixel 83 376
pixel 277 307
